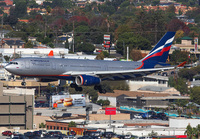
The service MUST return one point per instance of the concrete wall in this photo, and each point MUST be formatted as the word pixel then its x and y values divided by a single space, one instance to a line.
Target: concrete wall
pixel 183 123
pixel 16 111
pixel 1 89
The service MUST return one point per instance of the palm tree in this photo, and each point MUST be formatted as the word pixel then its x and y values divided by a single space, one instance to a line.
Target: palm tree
pixel 198 131
pixel 189 131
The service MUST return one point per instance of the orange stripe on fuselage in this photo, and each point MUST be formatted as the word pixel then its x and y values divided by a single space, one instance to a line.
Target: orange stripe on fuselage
pixel 140 66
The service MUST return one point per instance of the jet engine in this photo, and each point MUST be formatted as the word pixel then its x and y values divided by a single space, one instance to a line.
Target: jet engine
pixel 87 80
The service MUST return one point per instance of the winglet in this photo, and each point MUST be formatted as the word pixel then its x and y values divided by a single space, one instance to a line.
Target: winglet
pixel 182 64
pixel 51 53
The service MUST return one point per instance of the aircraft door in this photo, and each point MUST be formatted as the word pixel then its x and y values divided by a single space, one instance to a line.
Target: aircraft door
pixel 27 64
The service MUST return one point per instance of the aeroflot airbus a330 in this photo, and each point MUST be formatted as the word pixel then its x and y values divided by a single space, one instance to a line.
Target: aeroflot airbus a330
pixel 92 72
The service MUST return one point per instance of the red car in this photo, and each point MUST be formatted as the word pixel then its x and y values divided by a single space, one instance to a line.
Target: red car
pixel 7 133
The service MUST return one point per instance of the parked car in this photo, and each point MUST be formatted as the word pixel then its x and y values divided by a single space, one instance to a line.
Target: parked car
pixel 19 136
pixel 37 133
pixel 130 136
pixel 6 133
pixel 28 134
pixel 138 116
pixel 120 136
pixel 73 133
pixel 108 134
pixel 43 132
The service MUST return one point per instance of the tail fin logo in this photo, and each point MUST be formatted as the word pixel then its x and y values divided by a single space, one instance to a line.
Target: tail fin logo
pixel 160 52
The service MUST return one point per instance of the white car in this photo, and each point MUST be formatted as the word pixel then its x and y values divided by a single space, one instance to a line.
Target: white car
pixel 138 116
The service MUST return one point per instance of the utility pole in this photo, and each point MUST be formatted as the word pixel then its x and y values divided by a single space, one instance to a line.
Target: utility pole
pixel 2 35
pixel 156 29
pixel 45 31
pixel 124 47
pixel 73 37
pixel 127 53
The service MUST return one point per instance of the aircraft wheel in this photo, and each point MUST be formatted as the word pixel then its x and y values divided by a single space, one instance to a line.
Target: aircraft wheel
pixel 79 89
pixel 72 85
pixel 102 91
pixel 96 87
pixel 23 83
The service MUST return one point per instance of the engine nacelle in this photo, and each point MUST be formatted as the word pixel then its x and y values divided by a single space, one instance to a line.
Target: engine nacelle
pixel 87 80
pixel 45 80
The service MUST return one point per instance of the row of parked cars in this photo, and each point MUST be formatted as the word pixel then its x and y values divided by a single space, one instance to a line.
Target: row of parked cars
pixel 151 115
pixel 41 104
pixel 107 135
pixel 40 134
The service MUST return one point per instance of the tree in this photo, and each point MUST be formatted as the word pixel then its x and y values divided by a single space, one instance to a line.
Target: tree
pixel 48 9
pixel 153 134
pixel 72 124
pixel 42 125
pixel 135 54
pixel 103 102
pixel 100 56
pixel 195 94
pixel 85 47
pixel 12 18
pixel 67 43
pixel 100 102
pixel 134 41
pixel 28 44
pixel 179 56
pixel 180 84
pixel 176 24
pixel 190 131
pixel 106 103
pixel 187 73
pixel 20 9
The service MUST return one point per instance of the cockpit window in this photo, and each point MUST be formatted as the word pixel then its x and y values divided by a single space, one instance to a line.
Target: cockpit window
pixel 15 63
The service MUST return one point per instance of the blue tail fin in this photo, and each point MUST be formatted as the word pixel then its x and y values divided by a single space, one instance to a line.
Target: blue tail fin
pixel 160 52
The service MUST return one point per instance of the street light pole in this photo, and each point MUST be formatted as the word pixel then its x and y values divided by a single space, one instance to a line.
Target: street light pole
pixel 123 47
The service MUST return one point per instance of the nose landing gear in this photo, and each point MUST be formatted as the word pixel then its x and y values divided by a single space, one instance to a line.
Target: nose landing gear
pixel 23 83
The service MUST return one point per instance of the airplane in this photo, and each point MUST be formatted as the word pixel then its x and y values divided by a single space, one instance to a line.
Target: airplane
pixel 92 72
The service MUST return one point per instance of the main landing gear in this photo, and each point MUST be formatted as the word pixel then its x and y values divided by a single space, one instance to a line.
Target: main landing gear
pixel 96 87
pixel 99 87
pixel 77 88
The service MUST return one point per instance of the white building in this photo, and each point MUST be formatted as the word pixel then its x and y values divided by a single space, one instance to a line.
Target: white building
pixel 149 80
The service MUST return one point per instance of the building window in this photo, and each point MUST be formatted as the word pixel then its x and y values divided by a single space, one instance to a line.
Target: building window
pixel 61 128
pixel 50 127
pixel 57 127
pixel 65 128
pixel 54 127
pixel 47 127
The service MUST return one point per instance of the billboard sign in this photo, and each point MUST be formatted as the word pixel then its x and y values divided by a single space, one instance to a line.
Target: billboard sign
pixel 68 100
pixel 106 37
pixel 110 111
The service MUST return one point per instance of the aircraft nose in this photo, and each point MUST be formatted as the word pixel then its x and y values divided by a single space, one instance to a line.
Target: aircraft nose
pixel 8 67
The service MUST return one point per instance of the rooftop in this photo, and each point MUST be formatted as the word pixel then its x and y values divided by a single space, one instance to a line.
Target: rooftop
pixel 133 94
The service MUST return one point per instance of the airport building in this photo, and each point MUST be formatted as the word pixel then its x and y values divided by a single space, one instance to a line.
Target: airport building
pixel 140 99
pixel 16 110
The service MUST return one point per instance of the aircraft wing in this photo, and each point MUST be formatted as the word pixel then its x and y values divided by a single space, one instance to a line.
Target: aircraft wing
pixel 120 74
